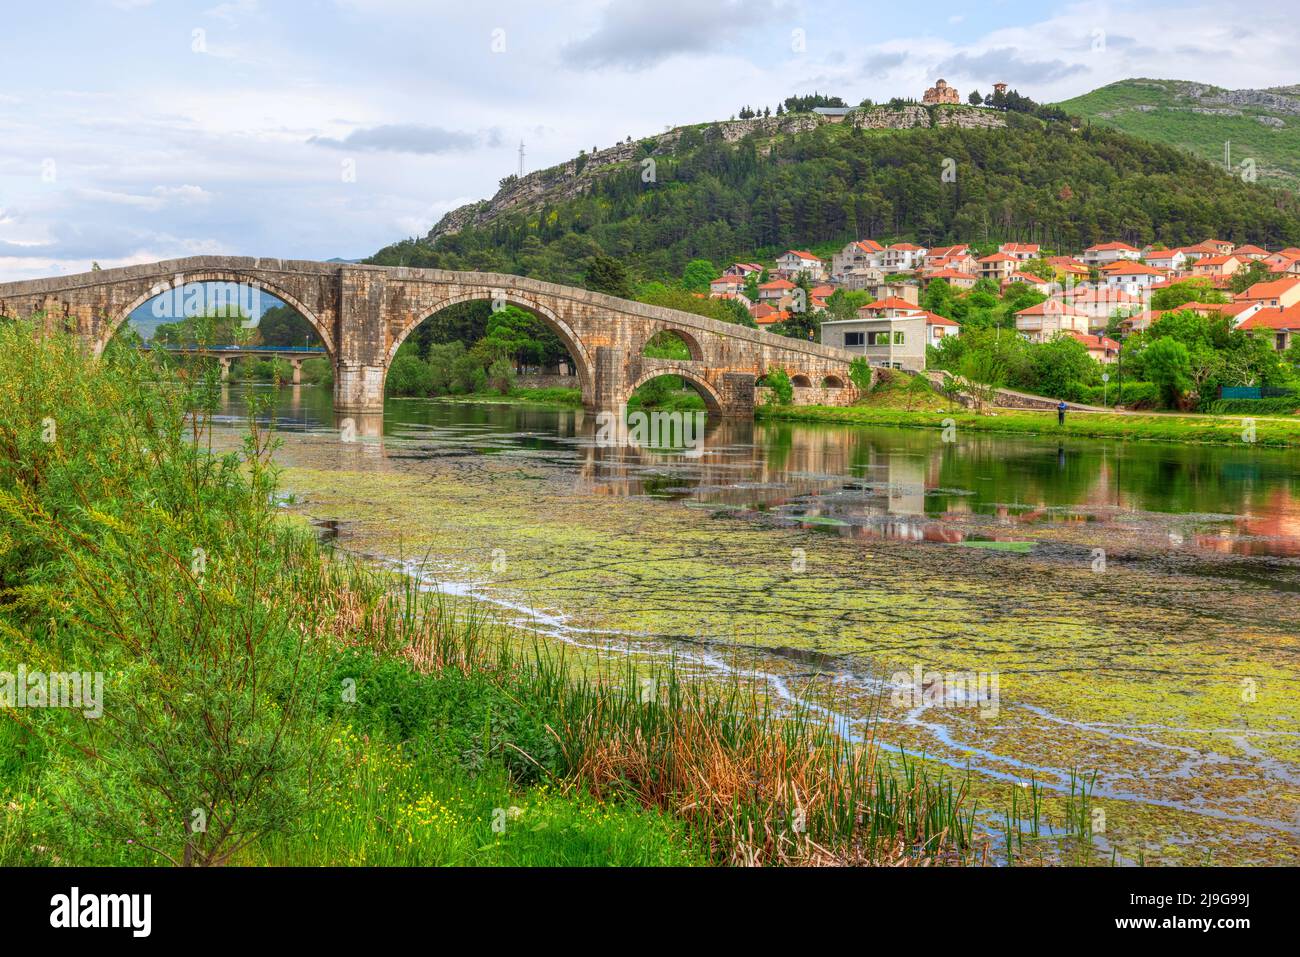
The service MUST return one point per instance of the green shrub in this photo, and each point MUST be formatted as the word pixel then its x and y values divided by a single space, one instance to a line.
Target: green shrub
pixel 1282 405
pixel 778 380
pixel 317 371
pixel 501 376
pixel 409 376
pixel 1137 395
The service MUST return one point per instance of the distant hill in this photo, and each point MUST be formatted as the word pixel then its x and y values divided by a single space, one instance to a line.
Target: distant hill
pixel 1261 125
pixel 748 189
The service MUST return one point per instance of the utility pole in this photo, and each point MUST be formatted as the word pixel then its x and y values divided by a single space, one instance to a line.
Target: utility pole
pixel 521 159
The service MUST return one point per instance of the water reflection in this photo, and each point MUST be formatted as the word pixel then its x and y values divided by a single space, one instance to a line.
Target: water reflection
pixel 904 484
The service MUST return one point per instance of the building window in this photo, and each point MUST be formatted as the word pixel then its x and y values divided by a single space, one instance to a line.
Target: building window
pixel 877 338
pixel 898 338
pixel 853 338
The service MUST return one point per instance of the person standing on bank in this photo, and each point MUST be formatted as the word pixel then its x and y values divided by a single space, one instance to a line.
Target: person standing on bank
pixel 1060 413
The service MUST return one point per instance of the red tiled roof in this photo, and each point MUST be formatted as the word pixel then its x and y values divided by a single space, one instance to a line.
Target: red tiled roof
pixel 1269 290
pixel 999 258
pixel 1093 342
pixel 1274 319
pixel 893 302
pixel 1050 307
pixel 1104 247
pixel 777 284
pixel 932 320
pixel 1126 268
pixel 800 253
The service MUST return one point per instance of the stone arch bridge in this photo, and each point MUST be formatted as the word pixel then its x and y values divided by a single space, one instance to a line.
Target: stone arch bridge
pixel 363 313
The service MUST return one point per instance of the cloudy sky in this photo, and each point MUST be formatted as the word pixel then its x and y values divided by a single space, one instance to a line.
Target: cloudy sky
pixel 138 130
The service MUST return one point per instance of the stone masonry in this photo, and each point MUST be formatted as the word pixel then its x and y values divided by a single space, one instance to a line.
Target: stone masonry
pixel 363 313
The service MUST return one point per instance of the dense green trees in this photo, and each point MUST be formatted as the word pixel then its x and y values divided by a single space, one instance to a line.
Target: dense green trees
pixel 720 202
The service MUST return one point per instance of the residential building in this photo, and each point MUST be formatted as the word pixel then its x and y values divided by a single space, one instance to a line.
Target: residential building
pixel 1022 251
pixel 726 284
pixel 1041 322
pixel 940 254
pixel 1130 276
pixel 998 267
pixel 1069 267
pixel 744 269
pixel 1211 267
pixel 776 291
pixel 795 262
pixel 861 277
pixel 1170 260
pixel 909 292
pixel 863 254
pixel 1254 253
pixel 890 335
pixel 1101 348
pixel 902 257
pixel 1274 294
pixel 1104 253
pixel 1279 324
pixel 961 281
pixel 1045 286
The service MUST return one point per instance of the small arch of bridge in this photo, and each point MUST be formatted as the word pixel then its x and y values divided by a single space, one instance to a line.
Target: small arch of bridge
pixel 686 336
pixel 712 401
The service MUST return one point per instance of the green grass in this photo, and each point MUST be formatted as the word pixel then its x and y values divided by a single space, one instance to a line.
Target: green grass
pixel 325 711
pixel 1170 120
pixel 1228 430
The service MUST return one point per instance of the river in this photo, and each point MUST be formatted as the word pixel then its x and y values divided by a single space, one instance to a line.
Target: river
pixel 1127 609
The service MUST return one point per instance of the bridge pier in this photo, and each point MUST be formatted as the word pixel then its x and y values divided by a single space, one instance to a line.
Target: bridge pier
pixel 358 389
pixel 297 371
pixel 225 367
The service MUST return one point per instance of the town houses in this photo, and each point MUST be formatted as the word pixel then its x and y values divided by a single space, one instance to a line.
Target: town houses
pixel 1085 296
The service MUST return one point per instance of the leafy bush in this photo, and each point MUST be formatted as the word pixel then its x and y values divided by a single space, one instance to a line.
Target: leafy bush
pixel 501 376
pixel 317 371
pixel 860 373
pixel 1283 405
pixel 131 552
pixel 409 375
pixel 1137 395
pixel 778 380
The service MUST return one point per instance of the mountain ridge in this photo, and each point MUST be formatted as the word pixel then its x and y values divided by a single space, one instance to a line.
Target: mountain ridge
pixel 1258 127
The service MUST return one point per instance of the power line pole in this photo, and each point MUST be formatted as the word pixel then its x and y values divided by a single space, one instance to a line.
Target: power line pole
pixel 521 158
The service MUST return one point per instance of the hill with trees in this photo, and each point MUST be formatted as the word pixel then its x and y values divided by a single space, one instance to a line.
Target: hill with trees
pixel 1262 126
pixel 750 189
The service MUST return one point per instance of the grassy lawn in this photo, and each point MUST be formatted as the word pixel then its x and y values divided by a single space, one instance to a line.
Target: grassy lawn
pixel 1225 430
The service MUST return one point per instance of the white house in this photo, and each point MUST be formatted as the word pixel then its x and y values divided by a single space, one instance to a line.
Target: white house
pixel 1130 276
pixel 1022 251
pixel 902 257
pixel 1104 253
pixel 792 262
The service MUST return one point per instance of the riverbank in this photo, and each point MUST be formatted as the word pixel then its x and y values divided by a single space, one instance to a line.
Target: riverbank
pixel 366 719
pixel 1219 430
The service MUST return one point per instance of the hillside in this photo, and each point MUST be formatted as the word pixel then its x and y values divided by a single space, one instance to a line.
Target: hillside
pixel 1261 125
pixel 748 189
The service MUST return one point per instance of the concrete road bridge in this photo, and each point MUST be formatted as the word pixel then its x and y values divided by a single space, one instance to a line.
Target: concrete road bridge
pixel 225 355
pixel 364 313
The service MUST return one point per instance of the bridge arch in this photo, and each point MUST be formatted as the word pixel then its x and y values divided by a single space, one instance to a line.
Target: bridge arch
pixel 712 401
pixel 577 351
pixel 686 336
pixel 167 283
pixel 801 381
